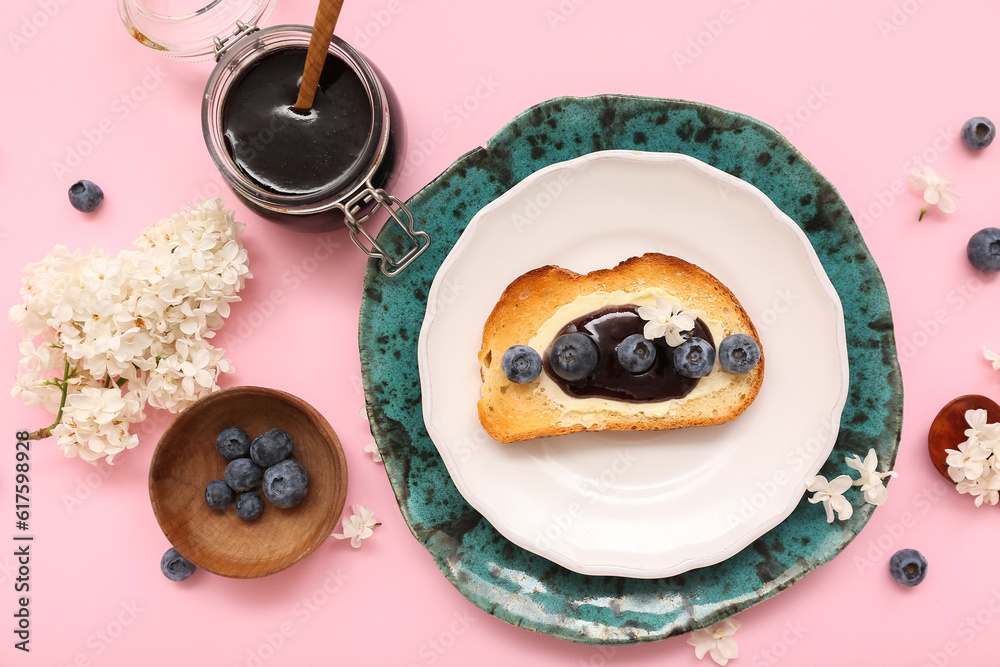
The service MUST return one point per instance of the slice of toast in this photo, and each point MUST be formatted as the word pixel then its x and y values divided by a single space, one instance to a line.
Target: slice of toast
pixel 533 309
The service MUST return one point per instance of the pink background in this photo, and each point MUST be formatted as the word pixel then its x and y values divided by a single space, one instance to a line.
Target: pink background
pixel 865 89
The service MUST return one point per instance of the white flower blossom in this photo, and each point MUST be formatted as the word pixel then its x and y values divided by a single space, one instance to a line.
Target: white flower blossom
pixel 96 424
pixel 975 465
pixel 105 335
pixel 830 493
pixel 667 319
pixel 992 357
pixel 870 479
pixel 717 641
pixel 980 431
pixel 967 462
pixel 986 489
pixel 358 526
pixel 372 448
pixel 937 190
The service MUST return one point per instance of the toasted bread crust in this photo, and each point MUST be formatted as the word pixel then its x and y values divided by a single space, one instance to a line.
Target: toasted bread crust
pixel 514 412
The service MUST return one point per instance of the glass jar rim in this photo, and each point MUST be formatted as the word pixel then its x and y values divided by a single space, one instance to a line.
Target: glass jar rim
pixel 191 34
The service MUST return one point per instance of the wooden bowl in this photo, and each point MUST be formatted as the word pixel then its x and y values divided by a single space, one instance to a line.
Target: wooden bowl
pixel 219 541
pixel 948 428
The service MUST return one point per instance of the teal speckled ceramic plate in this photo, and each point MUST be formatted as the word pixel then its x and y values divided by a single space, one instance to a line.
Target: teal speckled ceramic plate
pixel 525 589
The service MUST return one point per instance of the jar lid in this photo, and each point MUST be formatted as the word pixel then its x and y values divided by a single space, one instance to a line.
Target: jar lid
pixel 190 29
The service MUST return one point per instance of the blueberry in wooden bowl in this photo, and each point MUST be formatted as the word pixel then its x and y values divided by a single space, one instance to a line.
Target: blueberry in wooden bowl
pixel 218 540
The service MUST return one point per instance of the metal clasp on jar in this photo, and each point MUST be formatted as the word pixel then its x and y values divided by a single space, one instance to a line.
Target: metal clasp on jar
pixel 378 198
pixel 224 44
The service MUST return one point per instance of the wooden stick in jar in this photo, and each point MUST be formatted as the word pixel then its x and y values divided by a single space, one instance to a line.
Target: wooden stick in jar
pixel 319 45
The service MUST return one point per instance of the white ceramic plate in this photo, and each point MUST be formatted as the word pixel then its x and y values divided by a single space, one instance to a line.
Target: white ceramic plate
pixel 657 503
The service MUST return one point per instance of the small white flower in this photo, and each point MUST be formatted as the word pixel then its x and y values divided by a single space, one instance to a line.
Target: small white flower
pixel 372 449
pixel 98 405
pixel 980 431
pixel 870 480
pixel 967 462
pixel 96 423
pixel 717 640
pixel 937 190
pixel 358 526
pixel 992 357
pixel 830 493
pixel 986 489
pixel 666 319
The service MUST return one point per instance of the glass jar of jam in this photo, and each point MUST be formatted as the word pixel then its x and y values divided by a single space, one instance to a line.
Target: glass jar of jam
pixel 312 171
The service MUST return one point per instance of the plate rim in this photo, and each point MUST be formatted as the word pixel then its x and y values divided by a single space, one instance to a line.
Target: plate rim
pixel 455 470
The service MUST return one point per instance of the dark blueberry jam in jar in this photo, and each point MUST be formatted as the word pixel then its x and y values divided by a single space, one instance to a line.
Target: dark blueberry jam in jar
pixel 291 152
pixel 312 171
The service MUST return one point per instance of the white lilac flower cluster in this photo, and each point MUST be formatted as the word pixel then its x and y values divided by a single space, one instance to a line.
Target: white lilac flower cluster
pixel 831 493
pixel 975 465
pixel 104 336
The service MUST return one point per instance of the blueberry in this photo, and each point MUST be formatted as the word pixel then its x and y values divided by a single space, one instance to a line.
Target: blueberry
pixel 218 495
pixel 85 196
pixel 242 474
pixel 249 505
pixel 636 353
pixel 694 358
pixel 271 447
pixel 286 483
pixel 521 364
pixel 978 133
pixel 984 250
pixel 738 353
pixel 233 443
pixel 908 567
pixel 176 567
pixel 573 356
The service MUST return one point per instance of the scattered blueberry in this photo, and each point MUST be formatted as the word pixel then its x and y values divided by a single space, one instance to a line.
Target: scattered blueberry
pixel 908 567
pixel 738 353
pixel 271 447
pixel 521 364
pixel 249 505
pixel 233 443
pixel 573 356
pixel 85 196
pixel 176 567
pixel 242 474
pixel 694 358
pixel 218 495
pixel 978 133
pixel 984 250
pixel 286 483
pixel 636 353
